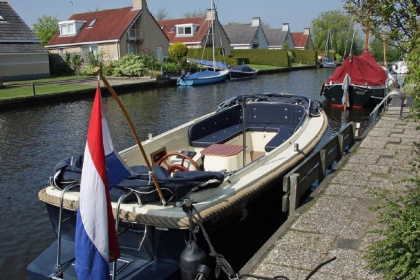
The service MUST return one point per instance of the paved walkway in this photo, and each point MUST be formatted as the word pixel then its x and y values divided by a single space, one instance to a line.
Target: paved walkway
pixel 338 222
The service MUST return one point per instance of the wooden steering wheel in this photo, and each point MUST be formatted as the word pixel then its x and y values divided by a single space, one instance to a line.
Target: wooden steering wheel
pixel 177 167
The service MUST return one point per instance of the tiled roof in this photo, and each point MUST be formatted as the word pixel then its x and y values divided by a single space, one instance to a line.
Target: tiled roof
pixel 240 34
pixel 12 27
pixel 300 39
pixel 168 28
pixel 21 48
pixel 275 37
pixel 110 25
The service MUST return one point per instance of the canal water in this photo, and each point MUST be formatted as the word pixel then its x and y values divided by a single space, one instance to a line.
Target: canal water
pixel 33 139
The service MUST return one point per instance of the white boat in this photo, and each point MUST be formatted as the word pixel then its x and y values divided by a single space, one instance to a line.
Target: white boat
pixel 214 172
pixel 400 67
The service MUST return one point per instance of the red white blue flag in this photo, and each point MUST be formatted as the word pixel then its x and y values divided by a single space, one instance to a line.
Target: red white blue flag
pixel 96 242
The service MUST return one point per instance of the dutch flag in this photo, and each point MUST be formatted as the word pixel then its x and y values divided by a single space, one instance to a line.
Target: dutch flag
pixel 96 242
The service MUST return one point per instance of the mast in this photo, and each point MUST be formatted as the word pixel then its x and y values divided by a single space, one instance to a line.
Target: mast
pixel 384 45
pixel 367 34
pixel 326 44
pixel 213 14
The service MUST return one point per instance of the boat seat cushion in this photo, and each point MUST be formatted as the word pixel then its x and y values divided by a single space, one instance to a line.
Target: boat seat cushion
pixel 219 128
pixel 283 133
pixel 219 136
pixel 216 128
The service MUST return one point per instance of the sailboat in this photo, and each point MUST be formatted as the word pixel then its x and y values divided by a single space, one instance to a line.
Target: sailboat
pixel 359 82
pixel 326 62
pixel 213 74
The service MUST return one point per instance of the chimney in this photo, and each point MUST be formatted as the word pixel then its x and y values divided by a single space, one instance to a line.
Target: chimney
pixel 285 27
pixel 306 31
pixel 139 4
pixel 256 21
pixel 211 14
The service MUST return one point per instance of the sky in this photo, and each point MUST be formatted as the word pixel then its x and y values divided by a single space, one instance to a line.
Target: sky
pixel 298 13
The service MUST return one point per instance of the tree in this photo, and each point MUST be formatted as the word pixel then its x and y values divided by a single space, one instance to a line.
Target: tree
pixel 178 50
pixel 396 18
pixel 377 50
pixel 341 31
pixel 45 28
pixel 162 14
pixel 398 22
pixel 195 14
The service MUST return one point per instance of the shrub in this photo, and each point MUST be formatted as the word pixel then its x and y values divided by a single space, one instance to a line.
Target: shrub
pixel 130 65
pixel 397 255
pixel 170 67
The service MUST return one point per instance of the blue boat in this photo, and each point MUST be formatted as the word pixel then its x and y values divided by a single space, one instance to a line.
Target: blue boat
pixel 203 78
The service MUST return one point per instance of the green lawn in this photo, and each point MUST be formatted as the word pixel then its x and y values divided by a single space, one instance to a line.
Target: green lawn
pixel 24 91
pixel 263 67
pixel 27 90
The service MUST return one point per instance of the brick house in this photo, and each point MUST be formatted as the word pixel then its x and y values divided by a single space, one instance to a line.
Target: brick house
pixel 114 32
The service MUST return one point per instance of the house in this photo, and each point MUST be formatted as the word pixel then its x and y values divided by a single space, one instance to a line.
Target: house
pixel 247 36
pixel 303 40
pixel 114 32
pixel 280 38
pixel 21 56
pixel 197 32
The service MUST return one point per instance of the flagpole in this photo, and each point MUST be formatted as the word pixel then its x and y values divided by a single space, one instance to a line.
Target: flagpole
pixel 130 123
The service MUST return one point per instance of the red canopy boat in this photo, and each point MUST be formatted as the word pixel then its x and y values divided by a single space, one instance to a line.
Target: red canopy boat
pixel 359 82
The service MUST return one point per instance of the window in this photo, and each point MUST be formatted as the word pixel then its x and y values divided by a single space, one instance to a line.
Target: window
pixel 70 27
pixel 92 22
pixel 67 29
pixel 90 48
pixel 186 30
pixel 131 48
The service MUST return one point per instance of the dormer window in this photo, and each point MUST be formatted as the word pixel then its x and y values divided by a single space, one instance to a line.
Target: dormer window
pixel 70 27
pixel 186 30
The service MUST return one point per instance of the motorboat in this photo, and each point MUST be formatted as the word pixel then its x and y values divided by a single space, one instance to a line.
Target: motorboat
pixel 242 72
pixel 214 172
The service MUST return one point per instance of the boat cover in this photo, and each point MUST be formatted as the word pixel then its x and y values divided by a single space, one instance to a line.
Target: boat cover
pixel 69 171
pixel 243 68
pixel 209 63
pixel 363 71
pixel 201 75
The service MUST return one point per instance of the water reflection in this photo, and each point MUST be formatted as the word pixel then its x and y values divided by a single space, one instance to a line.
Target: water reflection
pixel 34 139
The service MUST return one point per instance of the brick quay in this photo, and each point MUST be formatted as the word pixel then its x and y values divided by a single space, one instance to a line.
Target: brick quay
pixel 339 219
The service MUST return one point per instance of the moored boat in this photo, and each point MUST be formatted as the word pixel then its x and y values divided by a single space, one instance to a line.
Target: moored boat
pixel 214 172
pixel 326 61
pixel 399 67
pixel 359 82
pixel 214 73
pixel 202 78
pixel 242 72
